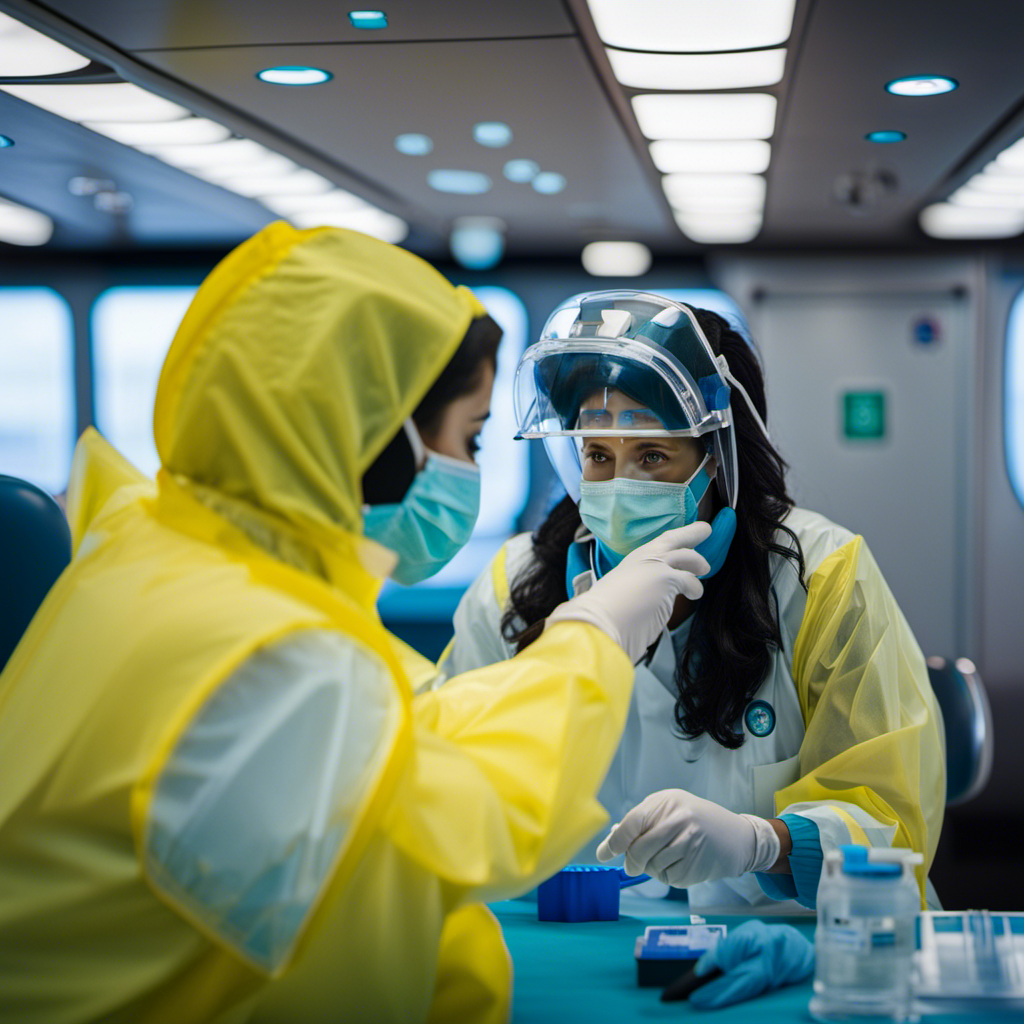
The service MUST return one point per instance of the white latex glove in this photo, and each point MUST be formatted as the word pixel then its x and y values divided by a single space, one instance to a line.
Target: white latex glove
pixel 684 839
pixel 634 602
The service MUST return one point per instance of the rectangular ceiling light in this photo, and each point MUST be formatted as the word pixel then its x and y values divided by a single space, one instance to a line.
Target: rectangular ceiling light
pixel 337 201
pixel 114 101
pixel 698 71
pixel 999 180
pixel 729 228
pixel 20 225
pixel 692 26
pixel 719 190
pixel 188 131
pixel 220 158
pixel 968 195
pixel 298 183
pixel 945 220
pixel 743 156
pixel 24 52
pixel 748 115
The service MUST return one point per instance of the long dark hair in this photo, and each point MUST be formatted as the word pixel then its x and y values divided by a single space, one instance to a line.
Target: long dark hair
pixel 735 628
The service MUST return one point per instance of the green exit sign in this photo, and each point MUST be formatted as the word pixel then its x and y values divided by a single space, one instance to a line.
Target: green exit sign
pixel 864 415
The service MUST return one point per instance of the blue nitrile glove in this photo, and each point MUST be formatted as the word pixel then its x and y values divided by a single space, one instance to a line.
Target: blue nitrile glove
pixel 755 958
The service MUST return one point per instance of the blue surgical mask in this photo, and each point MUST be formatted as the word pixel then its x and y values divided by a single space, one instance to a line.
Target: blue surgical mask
pixel 434 520
pixel 624 513
pixel 654 510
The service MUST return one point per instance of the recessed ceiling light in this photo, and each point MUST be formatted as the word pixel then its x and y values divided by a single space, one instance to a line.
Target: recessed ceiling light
pixel 105 101
pixel 367 219
pixel 945 220
pixel 414 144
pixel 26 53
pixel 521 171
pixel 466 183
pixel 478 243
pixel 549 183
pixel 368 19
pixel 493 134
pixel 294 74
pixel 749 156
pixel 233 155
pixel 692 26
pixel 21 226
pixel 5 142
pixel 187 131
pixel 616 259
pixel 885 136
pixel 921 85
pixel 699 71
pixel 705 115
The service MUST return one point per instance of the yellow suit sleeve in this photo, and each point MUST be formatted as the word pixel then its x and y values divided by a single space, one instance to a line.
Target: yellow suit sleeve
pixel 874 749
pixel 501 788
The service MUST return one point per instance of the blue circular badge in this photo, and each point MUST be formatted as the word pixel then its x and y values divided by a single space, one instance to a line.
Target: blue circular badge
pixel 760 717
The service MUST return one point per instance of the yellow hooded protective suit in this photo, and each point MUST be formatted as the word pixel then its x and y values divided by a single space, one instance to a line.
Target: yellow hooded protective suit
pixel 219 798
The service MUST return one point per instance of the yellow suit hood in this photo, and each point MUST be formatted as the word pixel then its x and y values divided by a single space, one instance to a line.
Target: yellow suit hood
pixel 300 357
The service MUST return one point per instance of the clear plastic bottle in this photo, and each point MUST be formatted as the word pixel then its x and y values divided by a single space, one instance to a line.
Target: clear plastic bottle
pixel 868 902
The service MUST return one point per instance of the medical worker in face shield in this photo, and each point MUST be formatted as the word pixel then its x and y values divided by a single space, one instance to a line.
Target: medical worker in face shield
pixel 220 798
pixel 784 712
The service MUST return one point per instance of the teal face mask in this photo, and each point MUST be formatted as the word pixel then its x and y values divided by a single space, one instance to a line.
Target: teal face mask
pixel 623 514
pixel 432 522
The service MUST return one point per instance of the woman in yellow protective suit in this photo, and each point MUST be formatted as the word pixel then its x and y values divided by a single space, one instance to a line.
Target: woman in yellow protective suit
pixel 219 798
pixel 785 713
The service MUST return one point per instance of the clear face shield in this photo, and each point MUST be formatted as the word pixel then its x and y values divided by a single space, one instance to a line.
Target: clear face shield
pixel 624 365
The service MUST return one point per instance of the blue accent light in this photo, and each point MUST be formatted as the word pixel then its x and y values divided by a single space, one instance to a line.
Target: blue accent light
pixel 414 144
pixel 5 142
pixel 548 183
pixel 368 19
pixel 477 243
pixel 493 134
pixel 462 183
pixel 921 85
pixel 521 171
pixel 885 136
pixel 294 74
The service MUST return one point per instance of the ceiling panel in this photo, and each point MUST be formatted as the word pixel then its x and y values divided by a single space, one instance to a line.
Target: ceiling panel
pixel 170 208
pixel 545 89
pixel 168 24
pixel 836 94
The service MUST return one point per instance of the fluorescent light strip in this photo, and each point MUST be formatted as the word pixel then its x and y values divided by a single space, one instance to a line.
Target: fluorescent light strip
pixel 298 183
pixel 113 101
pixel 698 71
pixel 701 116
pixel 746 156
pixel 732 228
pixel 945 220
pixel 716 189
pixel 692 26
pixel 189 131
pixel 24 52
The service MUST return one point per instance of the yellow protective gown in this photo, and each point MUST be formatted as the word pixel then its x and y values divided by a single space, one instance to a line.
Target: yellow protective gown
pixel 299 359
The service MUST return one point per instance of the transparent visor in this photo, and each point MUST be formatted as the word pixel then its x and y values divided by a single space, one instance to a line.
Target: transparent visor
pixel 624 365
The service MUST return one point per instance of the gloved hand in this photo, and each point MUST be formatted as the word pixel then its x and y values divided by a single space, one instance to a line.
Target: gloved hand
pixel 755 957
pixel 684 839
pixel 634 602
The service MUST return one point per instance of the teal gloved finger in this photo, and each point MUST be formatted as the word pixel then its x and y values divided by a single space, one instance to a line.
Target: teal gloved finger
pixel 755 958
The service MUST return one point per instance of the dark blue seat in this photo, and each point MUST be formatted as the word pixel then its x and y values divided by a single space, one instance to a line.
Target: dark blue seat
pixel 968 721
pixel 36 544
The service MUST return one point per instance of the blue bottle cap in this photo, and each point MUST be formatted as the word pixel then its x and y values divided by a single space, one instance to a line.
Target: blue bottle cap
pixel 856 863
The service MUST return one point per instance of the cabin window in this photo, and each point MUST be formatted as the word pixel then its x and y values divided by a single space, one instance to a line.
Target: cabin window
pixel 1013 406
pixel 37 391
pixel 132 329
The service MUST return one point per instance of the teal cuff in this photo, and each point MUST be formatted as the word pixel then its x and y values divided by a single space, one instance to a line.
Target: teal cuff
pixel 805 861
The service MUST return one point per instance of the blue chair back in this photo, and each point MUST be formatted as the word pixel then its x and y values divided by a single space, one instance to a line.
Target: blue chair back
pixel 968 721
pixel 36 545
